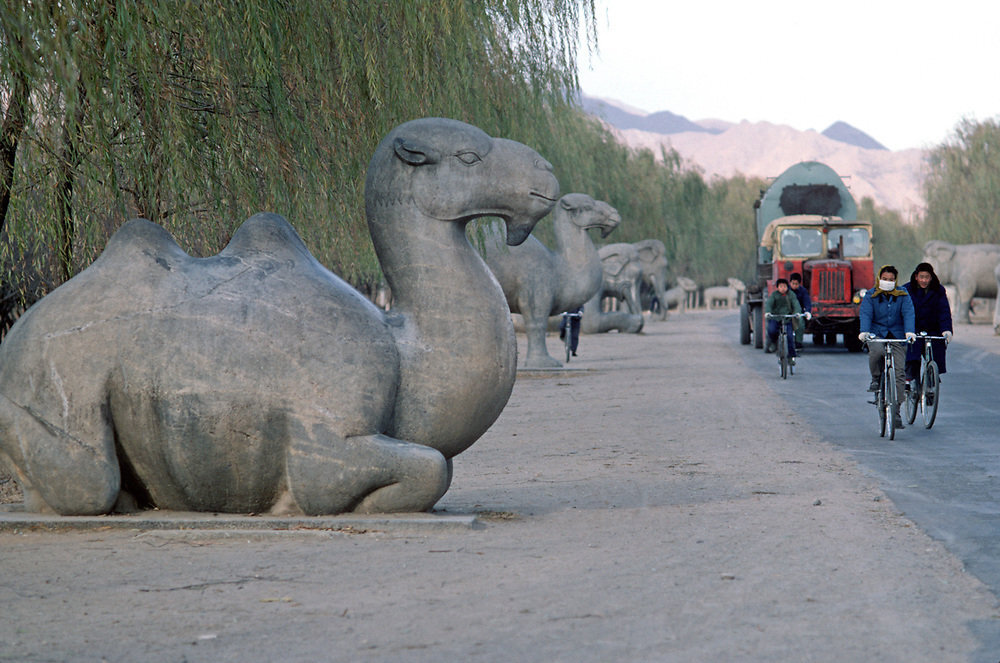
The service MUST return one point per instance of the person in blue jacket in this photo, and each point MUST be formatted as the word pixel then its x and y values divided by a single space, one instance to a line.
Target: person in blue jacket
pixel 805 301
pixel 932 315
pixel 887 312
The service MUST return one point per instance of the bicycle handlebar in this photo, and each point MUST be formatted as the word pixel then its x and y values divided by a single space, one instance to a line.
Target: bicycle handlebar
pixel 784 315
pixel 889 340
pixel 925 335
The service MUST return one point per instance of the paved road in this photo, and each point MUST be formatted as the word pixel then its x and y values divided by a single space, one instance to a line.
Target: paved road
pixel 946 479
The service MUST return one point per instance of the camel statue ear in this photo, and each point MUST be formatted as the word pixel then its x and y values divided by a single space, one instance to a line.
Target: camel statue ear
pixel 414 152
pixel 565 204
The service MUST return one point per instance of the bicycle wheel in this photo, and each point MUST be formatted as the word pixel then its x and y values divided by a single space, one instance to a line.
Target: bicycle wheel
pixel 783 355
pixel 890 400
pixel 930 393
pixel 913 404
pixel 880 406
pixel 568 340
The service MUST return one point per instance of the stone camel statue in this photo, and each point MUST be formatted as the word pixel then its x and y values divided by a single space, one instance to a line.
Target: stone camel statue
pixel 258 381
pixel 654 266
pixel 621 273
pixel 539 282
pixel 968 266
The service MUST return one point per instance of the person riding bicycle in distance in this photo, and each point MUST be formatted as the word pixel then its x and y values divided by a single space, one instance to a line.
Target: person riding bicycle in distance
pixel 805 301
pixel 781 302
pixel 887 312
pixel 932 314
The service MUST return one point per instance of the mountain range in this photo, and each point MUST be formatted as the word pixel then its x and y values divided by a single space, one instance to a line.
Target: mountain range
pixel 718 148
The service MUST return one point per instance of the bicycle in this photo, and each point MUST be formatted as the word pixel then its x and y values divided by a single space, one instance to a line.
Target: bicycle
pixel 787 363
pixel 885 397
pixel 567 331
pixel 928 385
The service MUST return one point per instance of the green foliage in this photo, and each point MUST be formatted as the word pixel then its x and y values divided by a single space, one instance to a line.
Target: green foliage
pixel 197 115
pixel 962 186
pixel 895 242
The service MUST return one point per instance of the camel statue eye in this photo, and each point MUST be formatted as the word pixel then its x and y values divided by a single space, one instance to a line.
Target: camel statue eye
pixel 468 158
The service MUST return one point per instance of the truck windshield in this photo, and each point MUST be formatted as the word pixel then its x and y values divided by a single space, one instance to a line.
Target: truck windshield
pixel 801 242
pixel 855 241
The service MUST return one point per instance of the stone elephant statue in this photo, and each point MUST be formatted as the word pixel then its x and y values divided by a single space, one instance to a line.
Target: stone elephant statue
pixel 996 308
pixel 969 266
pixel 654 264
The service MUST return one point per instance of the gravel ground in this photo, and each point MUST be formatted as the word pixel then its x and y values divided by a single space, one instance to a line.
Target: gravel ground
pixel 656 501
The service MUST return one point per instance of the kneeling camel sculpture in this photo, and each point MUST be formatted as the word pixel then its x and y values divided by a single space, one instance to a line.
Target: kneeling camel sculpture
pixel 258 381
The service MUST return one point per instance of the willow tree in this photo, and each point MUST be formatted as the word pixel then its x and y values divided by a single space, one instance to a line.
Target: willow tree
pixel 196 115
pixel 962 187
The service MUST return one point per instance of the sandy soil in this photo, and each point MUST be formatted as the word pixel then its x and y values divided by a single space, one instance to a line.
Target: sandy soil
pixel 654 502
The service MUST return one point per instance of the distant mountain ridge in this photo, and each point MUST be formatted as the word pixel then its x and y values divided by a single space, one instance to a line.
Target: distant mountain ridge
pixel 665 122
pixel 724 149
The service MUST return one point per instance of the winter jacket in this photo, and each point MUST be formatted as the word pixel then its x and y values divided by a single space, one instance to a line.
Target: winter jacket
pixel 932 315
pixel 887 314
pixel 778 304
pixel 805 301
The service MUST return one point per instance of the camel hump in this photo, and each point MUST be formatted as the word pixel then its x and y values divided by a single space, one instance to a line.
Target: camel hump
pixel 143 236
pixel 269 233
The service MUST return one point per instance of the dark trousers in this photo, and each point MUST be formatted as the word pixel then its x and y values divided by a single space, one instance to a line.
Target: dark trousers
pixel 772 334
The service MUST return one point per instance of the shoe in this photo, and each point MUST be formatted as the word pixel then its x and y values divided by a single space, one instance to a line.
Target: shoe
pixel 770 348
pixel 874 385
pixel 897 421
pixel 792 360
pixel 574 354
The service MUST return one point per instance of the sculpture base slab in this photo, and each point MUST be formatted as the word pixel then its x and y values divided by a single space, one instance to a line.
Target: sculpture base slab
pixel 14 519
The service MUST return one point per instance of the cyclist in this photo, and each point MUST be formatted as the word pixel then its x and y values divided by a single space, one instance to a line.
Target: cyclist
pixel 781 302
pixel 574 329
pixel 805 301
pixel 887 312
pixel 932 315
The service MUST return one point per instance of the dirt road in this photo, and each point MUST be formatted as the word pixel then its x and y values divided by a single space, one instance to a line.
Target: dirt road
pixel 655 502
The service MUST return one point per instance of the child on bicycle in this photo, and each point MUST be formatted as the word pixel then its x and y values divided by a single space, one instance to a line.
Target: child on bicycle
pixel 887 312
pixel 781 302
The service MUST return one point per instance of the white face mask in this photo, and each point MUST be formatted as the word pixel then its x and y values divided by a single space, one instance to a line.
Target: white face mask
pixel 886 285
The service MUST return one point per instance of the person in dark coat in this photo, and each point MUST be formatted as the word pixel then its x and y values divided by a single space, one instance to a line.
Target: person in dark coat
pixel 933 315
pixel 805 301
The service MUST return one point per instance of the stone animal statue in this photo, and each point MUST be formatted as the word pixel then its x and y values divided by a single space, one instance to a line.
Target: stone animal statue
pixel 621 273
pixel 969 266
pixel 654 265
pixel 258 381
pixel 720 296
pixel 996 307
pixel 739 286
pixel 539 282
pixel 676 298
pixel 691 291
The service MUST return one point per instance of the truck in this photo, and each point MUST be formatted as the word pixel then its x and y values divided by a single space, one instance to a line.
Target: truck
pixel 806 222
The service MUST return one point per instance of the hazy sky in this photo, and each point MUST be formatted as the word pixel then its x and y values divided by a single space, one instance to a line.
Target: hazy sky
pixel 904 72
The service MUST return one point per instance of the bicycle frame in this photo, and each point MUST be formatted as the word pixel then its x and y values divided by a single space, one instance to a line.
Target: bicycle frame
pixel 925 394
pixel 886 396
pixel 787 363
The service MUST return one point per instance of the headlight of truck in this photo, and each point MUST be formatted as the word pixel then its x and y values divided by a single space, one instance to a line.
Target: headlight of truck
pixel 859 295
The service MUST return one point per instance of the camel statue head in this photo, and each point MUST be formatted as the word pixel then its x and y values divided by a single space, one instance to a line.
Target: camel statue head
pixel 584 212
pixel 452 171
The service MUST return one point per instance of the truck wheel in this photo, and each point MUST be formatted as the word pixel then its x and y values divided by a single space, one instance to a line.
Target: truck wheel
pixel 758 327
pixel 831 339
pixel 745 324
pixel 852 343
pixel 818 338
